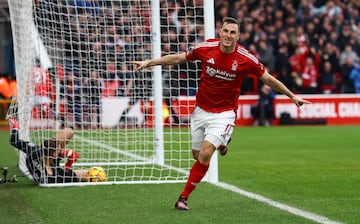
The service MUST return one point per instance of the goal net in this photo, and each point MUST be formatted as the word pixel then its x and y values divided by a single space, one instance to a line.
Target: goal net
pixel 73 70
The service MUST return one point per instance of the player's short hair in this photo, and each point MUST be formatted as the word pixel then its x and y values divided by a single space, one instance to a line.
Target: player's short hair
pixel 230 20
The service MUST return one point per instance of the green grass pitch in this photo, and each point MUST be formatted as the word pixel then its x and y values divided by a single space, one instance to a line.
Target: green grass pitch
pixel 312 168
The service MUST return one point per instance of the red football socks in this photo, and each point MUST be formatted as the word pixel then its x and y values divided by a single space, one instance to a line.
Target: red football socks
pixel 197 172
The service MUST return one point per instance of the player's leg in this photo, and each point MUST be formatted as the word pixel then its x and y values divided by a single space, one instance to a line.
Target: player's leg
pixel 218 131
pixel 81 175
pixel 197 125
pixel 69 176
pixel 198 170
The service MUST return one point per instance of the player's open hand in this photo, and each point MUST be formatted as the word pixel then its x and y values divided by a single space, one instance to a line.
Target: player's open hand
pixel 299 101
pixel 140 64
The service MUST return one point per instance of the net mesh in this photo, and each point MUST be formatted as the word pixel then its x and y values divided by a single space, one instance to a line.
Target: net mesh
pixel 82 78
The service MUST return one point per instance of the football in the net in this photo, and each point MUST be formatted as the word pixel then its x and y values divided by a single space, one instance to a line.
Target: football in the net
pixel 96 174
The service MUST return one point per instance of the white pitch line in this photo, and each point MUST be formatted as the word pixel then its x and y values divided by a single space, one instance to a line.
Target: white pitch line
pixel 308 215
pixel 292 210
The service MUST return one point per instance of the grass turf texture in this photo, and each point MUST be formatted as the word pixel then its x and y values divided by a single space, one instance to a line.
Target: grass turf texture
pixel 315 169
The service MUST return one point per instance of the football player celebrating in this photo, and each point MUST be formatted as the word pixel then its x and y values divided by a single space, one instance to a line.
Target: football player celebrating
pixel 225 64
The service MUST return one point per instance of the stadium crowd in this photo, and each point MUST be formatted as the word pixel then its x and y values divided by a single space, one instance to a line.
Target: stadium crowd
pixel 313 46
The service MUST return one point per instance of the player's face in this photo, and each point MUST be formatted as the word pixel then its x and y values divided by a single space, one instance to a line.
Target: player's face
pixel 229 34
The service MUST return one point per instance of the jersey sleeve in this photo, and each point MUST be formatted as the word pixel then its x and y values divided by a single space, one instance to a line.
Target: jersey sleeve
pixel 24 146
pixel 255 66
pixel 257 69
pixel 191 54
pixel 194 53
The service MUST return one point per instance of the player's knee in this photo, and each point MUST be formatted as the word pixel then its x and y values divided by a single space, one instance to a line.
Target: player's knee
pixel 195 154
pixel 206 152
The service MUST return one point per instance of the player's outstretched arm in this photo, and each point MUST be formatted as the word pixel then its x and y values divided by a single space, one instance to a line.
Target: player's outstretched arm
pixel 173 59
pixel 280 87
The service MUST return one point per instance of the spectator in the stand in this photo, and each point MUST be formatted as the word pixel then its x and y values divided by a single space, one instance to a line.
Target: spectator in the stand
pixel 301 40
pixel 348 53
pixel 332 36
pixel 125 81
pixel 344 34
pixel 312 34
pixel 297 63
pixel 285 77
pixel 266 53
pixel 263 111
pixel 282 58
pixel 355 76
pixel 309 77
pixel 97 54
pixel 74 99
pixel 347 84
pixel 327 78
pixel 44 94
pixel 189 78
pixel 329 9
pixel 253 49
pixel 111 70
pixel 170 92
pixel 95 87
pixel 141 92
pixel 331 53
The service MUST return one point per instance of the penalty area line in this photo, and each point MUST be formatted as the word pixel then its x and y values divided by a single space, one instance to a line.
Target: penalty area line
pixel 290 209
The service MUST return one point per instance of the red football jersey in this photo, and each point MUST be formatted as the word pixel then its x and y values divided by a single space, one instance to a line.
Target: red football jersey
pixel 222 74
pixel 43 83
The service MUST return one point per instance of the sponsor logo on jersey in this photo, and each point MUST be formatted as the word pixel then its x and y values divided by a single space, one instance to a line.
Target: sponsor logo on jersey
pixel 220 74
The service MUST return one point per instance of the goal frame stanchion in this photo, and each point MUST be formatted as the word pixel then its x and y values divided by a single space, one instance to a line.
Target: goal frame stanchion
pixel 157 77
pixel 22 15
pixel 212 175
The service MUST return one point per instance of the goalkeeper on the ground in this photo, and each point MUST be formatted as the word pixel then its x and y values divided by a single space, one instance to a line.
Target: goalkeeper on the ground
pixel 43 161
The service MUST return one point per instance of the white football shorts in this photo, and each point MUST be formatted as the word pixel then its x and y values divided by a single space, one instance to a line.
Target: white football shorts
pixel 216 128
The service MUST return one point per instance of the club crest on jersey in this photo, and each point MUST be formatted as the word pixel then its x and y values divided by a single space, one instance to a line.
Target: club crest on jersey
pixel 234 65
pixel 190 50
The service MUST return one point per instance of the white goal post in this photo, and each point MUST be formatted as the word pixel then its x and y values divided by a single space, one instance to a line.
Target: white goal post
pixel 126 121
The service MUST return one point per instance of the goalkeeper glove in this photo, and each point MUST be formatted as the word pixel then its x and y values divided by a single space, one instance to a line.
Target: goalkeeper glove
pixel 14 124
pixel 72 157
